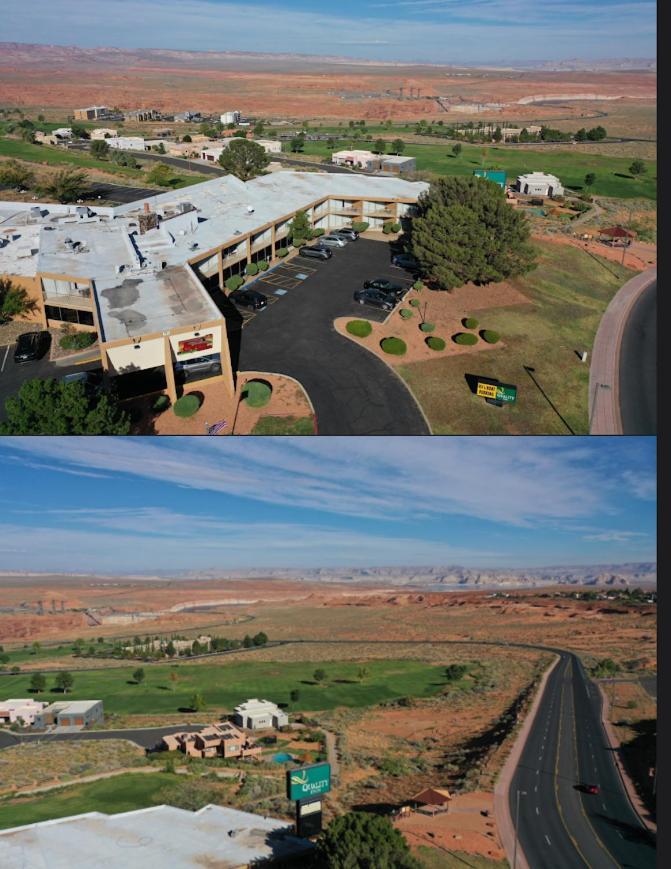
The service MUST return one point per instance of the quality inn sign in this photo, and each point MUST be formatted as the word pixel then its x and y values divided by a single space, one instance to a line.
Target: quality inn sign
pixel 308 781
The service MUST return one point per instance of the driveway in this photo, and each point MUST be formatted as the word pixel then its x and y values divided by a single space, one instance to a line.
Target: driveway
pixel 353 392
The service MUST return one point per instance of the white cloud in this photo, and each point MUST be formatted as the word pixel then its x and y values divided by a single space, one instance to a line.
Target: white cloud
pixel 614 536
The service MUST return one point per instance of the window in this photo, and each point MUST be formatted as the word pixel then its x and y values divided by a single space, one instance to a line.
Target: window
pixel 69 315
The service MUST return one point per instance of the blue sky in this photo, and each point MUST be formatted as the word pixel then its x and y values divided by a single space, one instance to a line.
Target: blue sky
pixel 443 31
pixel 138 504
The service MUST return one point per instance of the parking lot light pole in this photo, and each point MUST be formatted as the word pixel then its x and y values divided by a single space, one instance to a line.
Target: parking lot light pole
pixel 517 827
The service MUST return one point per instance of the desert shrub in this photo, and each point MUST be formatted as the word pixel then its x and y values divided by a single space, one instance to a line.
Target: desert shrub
pixel 263 265
pixel 469 323
pixel 234 282
pixel 489 336
pixel 282 251
pixel 427 327
pixel 396 227
pixel 78 340
pixel 395 346
pixel 252 269
pixel 406 313
pixel 360 225
pixel 257 393
pixel 162 403
pixel 417 285
pixel 360 328
pixel 187 405
pixel 465 338
pixel 435 343
pixel 415 303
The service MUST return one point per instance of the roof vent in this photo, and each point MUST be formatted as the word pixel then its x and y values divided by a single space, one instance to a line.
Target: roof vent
pixel 250 210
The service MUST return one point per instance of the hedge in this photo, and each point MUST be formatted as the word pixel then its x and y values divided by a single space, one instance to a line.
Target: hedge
pixel 427 327
pixel 252 269
pixel 415 303
pixel 316 233
pixel 469 323
pixel 162 403
pixel 298 242
pixel 489 336
pixel 406 313
pixel 257 393
pixel 234 282
pixel 263 265
pixel 396 227
pixel 435 343
pixel 78 340
pixel 360 225
pixel 187 405
pixel 282 251
pixel 360 328
pixel 466 338
pixel 395 346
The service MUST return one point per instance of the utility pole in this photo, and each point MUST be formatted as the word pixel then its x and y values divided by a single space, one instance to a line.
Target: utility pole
pixel 517 825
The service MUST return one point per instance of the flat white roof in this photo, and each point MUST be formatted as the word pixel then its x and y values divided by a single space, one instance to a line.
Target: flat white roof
pixel 72 706
pixel 158 836
pixel 251 706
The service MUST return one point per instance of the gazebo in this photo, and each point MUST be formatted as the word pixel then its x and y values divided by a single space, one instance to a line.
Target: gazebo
pixel 616 236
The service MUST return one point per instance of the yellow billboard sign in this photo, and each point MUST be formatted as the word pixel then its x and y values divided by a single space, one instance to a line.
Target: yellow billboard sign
pixel 487 390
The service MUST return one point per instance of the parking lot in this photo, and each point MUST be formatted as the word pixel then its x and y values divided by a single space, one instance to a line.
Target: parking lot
pixel 353 392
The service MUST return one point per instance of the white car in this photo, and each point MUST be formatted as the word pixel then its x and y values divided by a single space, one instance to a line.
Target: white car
pixel 332 241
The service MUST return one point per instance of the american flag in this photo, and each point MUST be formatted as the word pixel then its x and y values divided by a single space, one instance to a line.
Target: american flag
pixel 217 427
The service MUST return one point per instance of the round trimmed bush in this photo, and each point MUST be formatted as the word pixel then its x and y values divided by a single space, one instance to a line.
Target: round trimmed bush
pixel 435 343
pixel 257 393
pixel 360 225
pixel 489 336
pixel 417 285
pixel 162 403
pixel 252 269
pixel 298 242
pixel 415 303
pixel 187 405
pixel 386 228
pixel 406 313
pixel 360 328
pixel 396 227
pixel 234 282
pixel 469 323
pixel 317 233
pixel 282 251
pixel 263 265
pixel 395 346
pixel 427 327
pixel 465 338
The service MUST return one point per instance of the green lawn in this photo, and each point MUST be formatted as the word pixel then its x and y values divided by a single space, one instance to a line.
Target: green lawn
pixel 569 165
pixel 284 425
pixel 568 293
pixel 432 858
pixel 122 793
pixel 54 156
pixel 225 685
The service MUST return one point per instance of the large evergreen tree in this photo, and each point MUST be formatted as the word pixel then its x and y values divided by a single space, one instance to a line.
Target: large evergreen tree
pixel 465 230
pixel 244 159
pixel 359 840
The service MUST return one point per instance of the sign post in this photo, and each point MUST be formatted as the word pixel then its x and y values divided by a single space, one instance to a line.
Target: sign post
pixel 305 786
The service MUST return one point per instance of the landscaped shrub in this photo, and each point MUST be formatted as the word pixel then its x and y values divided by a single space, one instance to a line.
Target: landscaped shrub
pixel 435 343
pixel 469 323
pixel 316 233
pixel 466 338
pixel 360 328
pixel 78 340
pixel 360 225
pixel 489 336
pixel 252 269
pixel 282 251
pixel 406 313
pixel 427 327
pixel 234 282
pixel 263 265
pixel 395 346
pixel 257 393
pixel 386 227
pixel 417 285
pixel 396 227
pixel 298 242
pixel 187 405
pixel 415 303
pixel 162 403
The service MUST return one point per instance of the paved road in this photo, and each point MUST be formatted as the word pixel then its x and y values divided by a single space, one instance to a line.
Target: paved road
pixel 560 826
pixel 146 737
pixel 638 367
pixel 118 193
pixel 353 392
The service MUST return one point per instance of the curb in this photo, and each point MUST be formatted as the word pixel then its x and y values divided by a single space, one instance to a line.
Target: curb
pixel 504 821
pixel 605 365
pixel 628 785
pixel 277 374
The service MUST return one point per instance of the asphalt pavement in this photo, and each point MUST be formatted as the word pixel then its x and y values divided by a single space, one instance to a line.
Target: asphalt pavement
pixel 638 366
pixel 149 737
pixel 560 825
pixel 353 392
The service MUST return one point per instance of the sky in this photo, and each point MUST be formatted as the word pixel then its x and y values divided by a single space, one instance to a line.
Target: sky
pixel 437 31
pixel 134 505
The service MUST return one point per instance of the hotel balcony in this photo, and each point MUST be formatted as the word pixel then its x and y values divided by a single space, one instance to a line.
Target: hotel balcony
pixel 80 301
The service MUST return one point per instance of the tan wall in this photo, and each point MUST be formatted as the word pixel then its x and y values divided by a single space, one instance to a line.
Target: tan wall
pixel 33 287
pixel 149 355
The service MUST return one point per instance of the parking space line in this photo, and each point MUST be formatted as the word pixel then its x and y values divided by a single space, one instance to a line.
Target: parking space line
pixel 4 358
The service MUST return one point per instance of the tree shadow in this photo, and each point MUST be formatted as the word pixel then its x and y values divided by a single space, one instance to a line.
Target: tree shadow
pixel 530 371
pixel 622 175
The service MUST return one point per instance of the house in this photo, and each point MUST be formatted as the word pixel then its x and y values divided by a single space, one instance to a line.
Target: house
pixel 260 714
pixel 71 713
pixel 127 143
pixel 539 184
pixel 395 164
pixel 142 115
pixel 25 710
pixel 357 160
pixel 217 740
pixel 511 132
pixel 103 133
pixel 92 113
pixel 230 118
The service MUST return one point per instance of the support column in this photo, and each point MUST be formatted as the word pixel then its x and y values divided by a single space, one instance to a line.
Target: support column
pixel 226 364
pixel 169 369
pixel 220 265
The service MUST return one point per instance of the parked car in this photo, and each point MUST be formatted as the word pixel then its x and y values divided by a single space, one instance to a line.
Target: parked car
pixel 199 365
pixel 92 381
pixel 347 232
pixel 405 261
pixel 386 286
pixel 249 299
pixel 316 251
pixel 332 241
pixel 376 298
pixel 31 346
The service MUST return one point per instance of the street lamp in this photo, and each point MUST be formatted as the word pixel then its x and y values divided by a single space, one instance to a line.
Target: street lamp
pixel 517 825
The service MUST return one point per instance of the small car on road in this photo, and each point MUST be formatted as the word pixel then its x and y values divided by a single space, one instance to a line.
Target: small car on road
pixel 31 346
pixel 249 299
pixel 315 251
pixel 376 298
pixel 591 789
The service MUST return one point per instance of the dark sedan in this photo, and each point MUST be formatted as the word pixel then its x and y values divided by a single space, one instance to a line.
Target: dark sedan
pixel 385 286
pixel 249 299
pixel 405 261
pixel 376 298
pixel 31 346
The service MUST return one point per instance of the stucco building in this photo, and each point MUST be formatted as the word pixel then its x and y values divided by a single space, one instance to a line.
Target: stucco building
pixel 217 740
pixel 259 715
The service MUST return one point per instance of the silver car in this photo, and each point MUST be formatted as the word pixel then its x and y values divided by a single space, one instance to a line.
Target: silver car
pixel 332 241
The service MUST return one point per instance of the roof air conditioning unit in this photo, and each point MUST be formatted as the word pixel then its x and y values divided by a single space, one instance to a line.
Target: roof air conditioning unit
pixel 250 210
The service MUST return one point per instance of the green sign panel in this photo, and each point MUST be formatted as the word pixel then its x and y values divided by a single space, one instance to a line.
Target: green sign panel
pixel 308 781
pixel 504 392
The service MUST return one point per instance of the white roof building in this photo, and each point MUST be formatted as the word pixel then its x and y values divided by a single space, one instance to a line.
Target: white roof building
pixel 259 714
pixel 103 133
pixel 127 143
pixel 540 184
pixel 14 709
pixel 362 159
